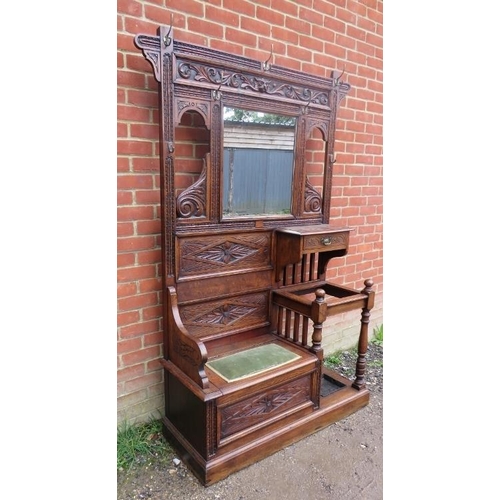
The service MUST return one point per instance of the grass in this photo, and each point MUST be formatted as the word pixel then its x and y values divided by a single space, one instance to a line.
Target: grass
pixel 335 360
pixel 378 335
pixel 141 442
pixel 136 444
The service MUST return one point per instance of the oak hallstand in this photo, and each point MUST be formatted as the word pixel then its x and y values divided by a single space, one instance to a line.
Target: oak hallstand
pixel 246 151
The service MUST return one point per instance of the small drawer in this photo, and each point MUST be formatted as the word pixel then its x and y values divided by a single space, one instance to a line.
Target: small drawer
pixel 326 241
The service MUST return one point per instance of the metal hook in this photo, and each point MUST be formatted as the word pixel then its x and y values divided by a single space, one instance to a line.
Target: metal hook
pixel 304 109
pixel 166 39
pixel 217 93
pixel 266 66
pixel 340 76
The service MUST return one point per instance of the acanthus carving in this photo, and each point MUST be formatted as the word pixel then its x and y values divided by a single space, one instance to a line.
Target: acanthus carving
pixel 312 199
pixel 238 80
pixel 192 201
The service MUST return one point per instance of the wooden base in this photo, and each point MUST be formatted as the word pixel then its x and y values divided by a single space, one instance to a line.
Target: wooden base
pixel 333 407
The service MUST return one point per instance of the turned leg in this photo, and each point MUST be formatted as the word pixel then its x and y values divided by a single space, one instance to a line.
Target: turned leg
pixel 359 382
pixel 318 317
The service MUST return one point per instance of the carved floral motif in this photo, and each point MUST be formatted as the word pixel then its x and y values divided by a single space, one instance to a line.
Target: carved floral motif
pixel 201 73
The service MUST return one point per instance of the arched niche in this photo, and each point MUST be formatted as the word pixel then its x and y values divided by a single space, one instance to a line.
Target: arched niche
pixel 192 155
pixel 314 169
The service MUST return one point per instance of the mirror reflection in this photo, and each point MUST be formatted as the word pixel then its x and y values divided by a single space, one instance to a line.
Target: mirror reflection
pixel 258 163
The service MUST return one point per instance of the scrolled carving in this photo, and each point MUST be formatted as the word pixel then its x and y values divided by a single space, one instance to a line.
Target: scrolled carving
pixel 238 80
pixel 312 199
pixel 192 201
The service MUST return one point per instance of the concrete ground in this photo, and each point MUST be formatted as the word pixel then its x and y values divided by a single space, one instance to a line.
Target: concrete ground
pixel 341 462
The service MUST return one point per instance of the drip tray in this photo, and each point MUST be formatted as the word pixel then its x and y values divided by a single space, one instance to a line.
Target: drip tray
pixel 329 386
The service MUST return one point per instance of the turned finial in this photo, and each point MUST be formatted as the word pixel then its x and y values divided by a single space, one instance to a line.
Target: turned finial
pixel 368 285
pixel 320 295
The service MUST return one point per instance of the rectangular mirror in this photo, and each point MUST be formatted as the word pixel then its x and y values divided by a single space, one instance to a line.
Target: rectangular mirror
pixel 258 163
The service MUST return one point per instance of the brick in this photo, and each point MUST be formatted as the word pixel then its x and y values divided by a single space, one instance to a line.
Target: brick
pixel 135 213
pixel 137 301
pixel 127 318
pixel 190 37
pixel 153 338
pixel 124 198
pixel 128 400
pixel 149 257
pixel 139 329
pixel 133 113
pixel 136 272
pixel 130 7
pixel 298 25
pixel 128 147
pixel 152 312
pixel 224 45
pixel 311 16
pixel 129 244
pixel 142 382
pixel 222 16
pixel 151 164
pixel 125 229
pixel 135 181
pixel 148 227
pixel 148 197
pixel 209 29
pixel 144 131
pixel 335 24
pixel 284 34
pixel 125 260
pixel 240 37
pixel 122 164
pixel 241 6
pixel 140 356
pixel 130 372
pixel 270 16
pixel 325 7
pixel 129 345
pixel 255 26
pixel 302 55
pixel 311 43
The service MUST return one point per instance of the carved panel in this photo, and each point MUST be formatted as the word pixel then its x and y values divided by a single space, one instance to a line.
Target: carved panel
pixel 199 72
pixel 264 406
pixel 204 256
pixel 219 316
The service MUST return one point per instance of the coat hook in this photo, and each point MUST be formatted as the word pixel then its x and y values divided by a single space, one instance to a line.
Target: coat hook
pixel 266 66
pixel 340 76
pixel 304 109
pixel 166 39
pixel 216 94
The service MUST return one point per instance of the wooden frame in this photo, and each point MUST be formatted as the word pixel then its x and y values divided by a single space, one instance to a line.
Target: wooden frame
pixel 233 283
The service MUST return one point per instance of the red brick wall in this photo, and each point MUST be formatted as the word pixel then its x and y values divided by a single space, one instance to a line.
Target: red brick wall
pixel 315 36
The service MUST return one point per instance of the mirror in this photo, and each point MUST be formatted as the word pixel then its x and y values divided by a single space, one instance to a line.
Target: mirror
pixel 258 163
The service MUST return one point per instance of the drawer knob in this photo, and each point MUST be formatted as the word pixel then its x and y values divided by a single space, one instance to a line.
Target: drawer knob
pixel 326 241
